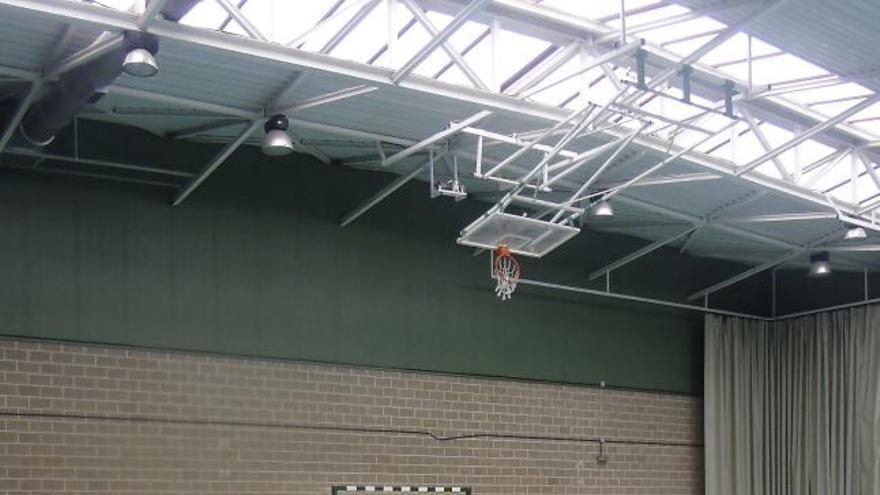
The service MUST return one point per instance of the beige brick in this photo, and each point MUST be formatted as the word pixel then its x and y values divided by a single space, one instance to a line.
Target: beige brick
pixel 227 425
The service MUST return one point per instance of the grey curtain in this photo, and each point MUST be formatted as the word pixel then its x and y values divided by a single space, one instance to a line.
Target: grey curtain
pixel 793 406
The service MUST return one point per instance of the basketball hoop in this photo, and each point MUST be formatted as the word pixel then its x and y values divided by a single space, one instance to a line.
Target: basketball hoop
pixel 506 272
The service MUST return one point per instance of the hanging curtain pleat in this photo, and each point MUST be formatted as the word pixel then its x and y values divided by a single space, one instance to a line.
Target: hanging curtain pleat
pixel 793 406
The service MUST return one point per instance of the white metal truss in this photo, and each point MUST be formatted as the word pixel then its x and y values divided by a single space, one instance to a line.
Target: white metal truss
pixel 554 172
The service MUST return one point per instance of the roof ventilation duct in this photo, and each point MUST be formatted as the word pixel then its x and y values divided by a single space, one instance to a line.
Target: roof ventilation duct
pixel 79 87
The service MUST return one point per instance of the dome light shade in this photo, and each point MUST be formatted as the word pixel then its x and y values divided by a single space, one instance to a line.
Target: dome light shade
pixel 603 209
pixel 855 233
pixel 819 265
pixel 140 63
pixel 277 142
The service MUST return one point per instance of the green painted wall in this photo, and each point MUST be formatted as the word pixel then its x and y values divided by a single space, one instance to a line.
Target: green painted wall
pixel 256 264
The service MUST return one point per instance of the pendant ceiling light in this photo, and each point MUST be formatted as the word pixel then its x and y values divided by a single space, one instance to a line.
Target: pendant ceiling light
pixel 855 233
pixel 819 264
pixel 140 54
pixel 603 209
pixel 277 142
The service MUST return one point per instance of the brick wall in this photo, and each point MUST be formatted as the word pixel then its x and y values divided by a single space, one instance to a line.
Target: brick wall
pixel 93 419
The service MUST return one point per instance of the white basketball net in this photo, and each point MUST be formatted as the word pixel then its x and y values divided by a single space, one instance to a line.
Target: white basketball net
pixel 506 270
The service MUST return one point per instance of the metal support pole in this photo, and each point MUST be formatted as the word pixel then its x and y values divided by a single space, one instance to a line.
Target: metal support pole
pixel 641 55
pixel 729 92
pixel 773 295
pixel 452 129
pixel 650 248
pixel 686 72
pixel 20 112
pixel 385 192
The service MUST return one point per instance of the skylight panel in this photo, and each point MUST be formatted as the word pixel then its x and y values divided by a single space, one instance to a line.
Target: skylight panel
pixel 480 59
pixel 126 5
pixel 408 43
pixel 369 37
pixel 868 119
pixel 845 190
pixel 737 48
pixel 459 41
pixel 783 68
pixel 281 20
pixel 641 21
pixel 205 14
pixel 593 9
pixel 514 50
pixel 319 37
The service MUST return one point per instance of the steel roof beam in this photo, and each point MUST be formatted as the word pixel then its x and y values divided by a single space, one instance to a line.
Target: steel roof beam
pixel 664 162
pixel 650 248
pixel 324 99
pixel 869 167
pixel 445 133
pixel 746 274
pixel 152 10
pixel 19 114
pixel 99 47
pixel 807 134
pixel 94 162
pixel 576 196
pixel 440 38
pixel 344 31
pixel 582 113
pixel 76 173
pixel 542 22
pixel 780 217
pixel 514 140
pixel 762 139
pixel 249 27
pixel 748 234
pixel 760 268
pixel 542 70
pixel 386 191
pixel 215 162
pixel 597 61
pixel 188 132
